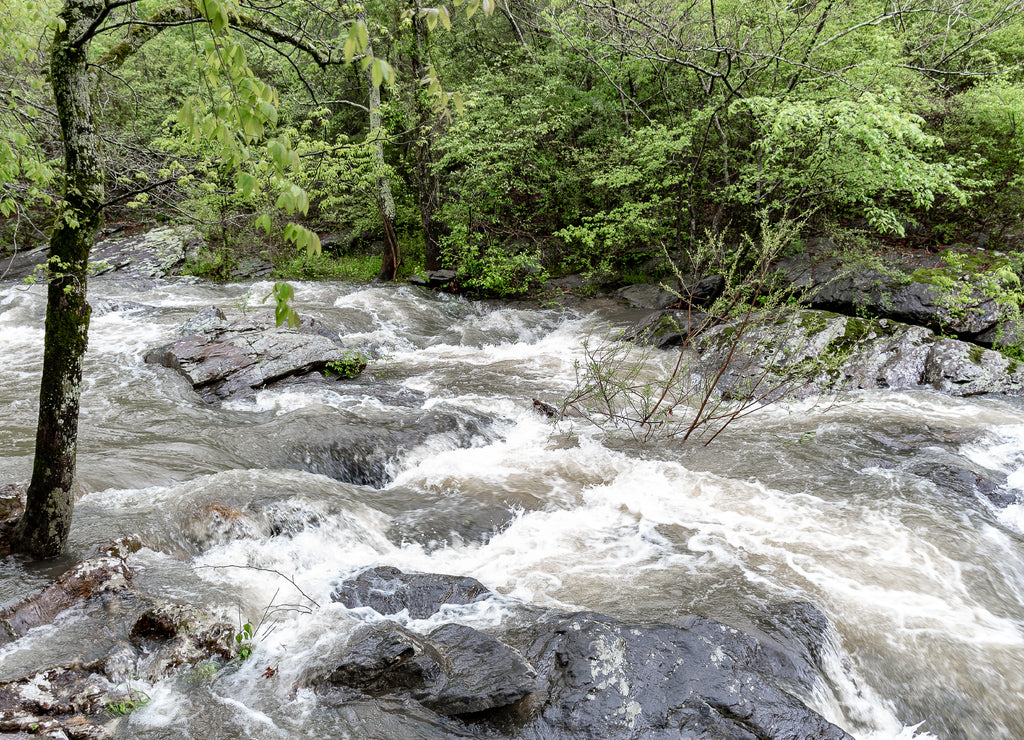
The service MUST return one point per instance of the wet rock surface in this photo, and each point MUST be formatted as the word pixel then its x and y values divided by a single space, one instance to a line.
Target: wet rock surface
pixel 388 590
pixel 454 670
pixel 86 697
pixel 586 675
pixel 697 678
pixel 668 328
pixel 89 579
pixel 352 450
pixel 224 359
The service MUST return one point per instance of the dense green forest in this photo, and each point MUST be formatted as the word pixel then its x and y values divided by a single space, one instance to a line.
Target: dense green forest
pixel 517 140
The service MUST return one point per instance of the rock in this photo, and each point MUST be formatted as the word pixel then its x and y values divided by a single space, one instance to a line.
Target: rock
pixel 454 670
pixel 967 370
pixel 225 361
pixel 435 279
pixel 672 293
pixel 909 289
pixel 668 328
pixel 347 449
pixel 965 483
pixel 440 521
pixel 598 677
pixel 58 702
pixel 156 253
pixel 12 506
pixel 388 590
pixel 813 352
pixel 545 409
pixel 586 675
pixel 175 635
pixel 207 321
pixel 250 268
pixel 647 295
pixel 87 580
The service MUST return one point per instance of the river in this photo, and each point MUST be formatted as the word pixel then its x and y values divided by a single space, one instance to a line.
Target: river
pixel 844 506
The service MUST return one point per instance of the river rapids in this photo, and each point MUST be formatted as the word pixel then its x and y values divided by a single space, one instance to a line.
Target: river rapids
pixel 847 506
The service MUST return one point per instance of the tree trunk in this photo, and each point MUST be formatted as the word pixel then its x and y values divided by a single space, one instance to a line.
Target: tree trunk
pixel 43 530
pixel 423 156
pixel 392 257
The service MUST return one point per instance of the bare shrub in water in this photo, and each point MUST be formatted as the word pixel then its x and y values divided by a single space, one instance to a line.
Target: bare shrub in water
pixel 740 352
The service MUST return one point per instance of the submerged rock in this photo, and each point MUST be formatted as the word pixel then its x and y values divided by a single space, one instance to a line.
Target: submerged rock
pixel 223 360
pixel 89 579
pixel 388 590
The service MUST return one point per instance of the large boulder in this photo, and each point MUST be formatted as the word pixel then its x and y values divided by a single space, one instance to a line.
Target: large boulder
pixel 921 289
pixel 222 359
pixel 454 670
pixel 584 675
pixel 601 678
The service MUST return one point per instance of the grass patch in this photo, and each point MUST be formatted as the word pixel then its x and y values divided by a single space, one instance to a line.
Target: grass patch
pixel 357 268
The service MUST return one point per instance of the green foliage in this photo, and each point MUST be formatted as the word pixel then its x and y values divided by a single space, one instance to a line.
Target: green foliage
pixel 244 641
pixel 358 268
pixel 282 294
pixel 866 155
pixel 986 121
pixel 134 699
pixel 349 366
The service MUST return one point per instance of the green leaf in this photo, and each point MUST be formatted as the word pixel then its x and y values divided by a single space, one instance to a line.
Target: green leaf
pixel 362 35
pixel 246 184
pixel 377 72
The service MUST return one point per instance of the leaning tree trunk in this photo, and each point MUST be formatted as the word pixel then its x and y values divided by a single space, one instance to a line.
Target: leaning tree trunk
pixel 43 530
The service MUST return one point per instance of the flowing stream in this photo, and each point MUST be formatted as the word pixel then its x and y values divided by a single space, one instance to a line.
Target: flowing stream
pixel 847 507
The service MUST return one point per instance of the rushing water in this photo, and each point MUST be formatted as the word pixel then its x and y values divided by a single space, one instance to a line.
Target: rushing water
pixel 844 507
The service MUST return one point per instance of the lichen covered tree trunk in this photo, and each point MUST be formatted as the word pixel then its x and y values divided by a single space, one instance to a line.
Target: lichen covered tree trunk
pixel 43 530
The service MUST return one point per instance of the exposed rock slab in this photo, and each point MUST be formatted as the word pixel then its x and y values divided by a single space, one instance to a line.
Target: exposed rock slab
pixel 223 359
pixel 155 253
pixel 824 352
pixel 908 289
